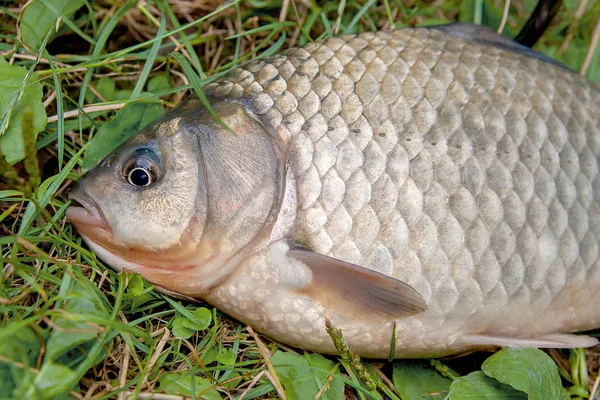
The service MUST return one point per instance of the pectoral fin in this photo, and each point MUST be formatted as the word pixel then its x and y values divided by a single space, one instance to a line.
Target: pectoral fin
pixel 554 341
pixel 349 289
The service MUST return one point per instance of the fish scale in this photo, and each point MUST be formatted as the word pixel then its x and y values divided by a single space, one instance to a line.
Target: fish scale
pixel 467 171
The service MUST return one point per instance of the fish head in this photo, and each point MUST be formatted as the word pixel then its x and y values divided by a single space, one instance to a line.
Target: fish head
pixel 186 199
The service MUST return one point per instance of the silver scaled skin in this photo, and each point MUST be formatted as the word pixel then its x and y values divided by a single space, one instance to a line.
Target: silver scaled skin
pixel 466 170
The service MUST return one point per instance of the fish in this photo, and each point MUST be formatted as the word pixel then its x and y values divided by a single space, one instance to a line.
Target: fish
pixel 426 191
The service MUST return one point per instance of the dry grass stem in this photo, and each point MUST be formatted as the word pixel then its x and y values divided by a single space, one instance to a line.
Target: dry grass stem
pixel 592 49
pixel 384 378
pixel 577 16
pixel 252 384
pixel 338 21
pixel 157 352
pixel 194 353
pixel 124 370
pixel 324 387
pixel 595 388
pixel 284 10
pixel 87 110
pixel 505 13
pixel 275 382
pixel 50 99
pixel 266 355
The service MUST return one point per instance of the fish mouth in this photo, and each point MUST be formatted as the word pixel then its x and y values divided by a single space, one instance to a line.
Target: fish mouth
pixel 86 215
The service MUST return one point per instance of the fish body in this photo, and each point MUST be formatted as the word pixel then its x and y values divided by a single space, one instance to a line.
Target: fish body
pixel 423 187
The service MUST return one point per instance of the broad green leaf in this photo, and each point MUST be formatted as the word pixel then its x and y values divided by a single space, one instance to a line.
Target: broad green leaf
pixel 40 16
pixel 210 356
pixel 184 327
pixel 159 83
pixel 137 291
pixel 18 387
pixel 22 347
pixel 130 120
pixel 81 300
pixel 478 386
pixel 200 321
pixel 140 300
pixel 303 376
pixel 226 356
pixel 123 95
pixel 202 318
pixel 50 381
pixel 11 143
pixel 529 370
pixel 135 286
pixel 8 377
pixel 414 381
pixel 106 87
pixel 181 331
pixel 186 384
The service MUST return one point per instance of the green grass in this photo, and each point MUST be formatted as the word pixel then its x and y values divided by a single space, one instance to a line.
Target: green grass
pixel 70 327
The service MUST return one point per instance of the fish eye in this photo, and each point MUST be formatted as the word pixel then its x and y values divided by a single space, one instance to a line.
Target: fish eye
pixel 139 177
pixel 142 169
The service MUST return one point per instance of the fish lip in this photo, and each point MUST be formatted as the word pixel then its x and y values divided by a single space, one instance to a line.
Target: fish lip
pixel 88 213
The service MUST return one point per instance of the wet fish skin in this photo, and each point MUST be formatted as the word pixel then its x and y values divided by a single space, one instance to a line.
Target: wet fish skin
pixel 467 171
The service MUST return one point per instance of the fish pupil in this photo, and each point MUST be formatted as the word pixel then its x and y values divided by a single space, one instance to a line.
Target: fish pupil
pixel 139 177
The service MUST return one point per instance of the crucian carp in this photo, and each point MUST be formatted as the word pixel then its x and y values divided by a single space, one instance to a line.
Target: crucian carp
pixel 435 185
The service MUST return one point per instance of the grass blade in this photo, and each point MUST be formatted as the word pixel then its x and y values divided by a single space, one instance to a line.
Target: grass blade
pixel 141 82
pixel 197 85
